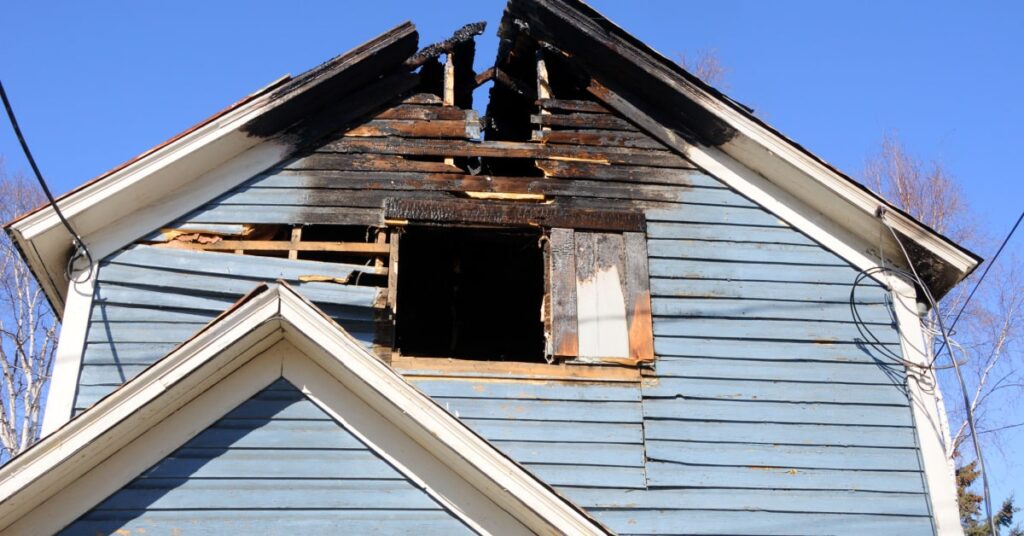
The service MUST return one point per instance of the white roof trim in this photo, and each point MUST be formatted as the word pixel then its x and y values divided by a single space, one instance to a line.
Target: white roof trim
pixel 237 341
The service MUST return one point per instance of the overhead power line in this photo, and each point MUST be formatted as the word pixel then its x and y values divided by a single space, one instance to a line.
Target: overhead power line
pixel 80 249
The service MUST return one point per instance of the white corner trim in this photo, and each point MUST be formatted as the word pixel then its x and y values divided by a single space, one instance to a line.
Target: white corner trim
pixel 67 363
pixel 929 413
pixel 81 463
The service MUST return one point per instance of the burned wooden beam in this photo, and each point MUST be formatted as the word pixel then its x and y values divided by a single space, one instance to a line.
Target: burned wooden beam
pixel 562 105
pixel 598 138
pixel 583 121
pixel 462 35
pixel 504 214
pixel 507 149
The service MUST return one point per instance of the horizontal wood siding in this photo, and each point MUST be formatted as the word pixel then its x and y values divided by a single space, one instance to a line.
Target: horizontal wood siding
pixel 570 434
pixel 148 300
pixel 277 464
pixel 772 409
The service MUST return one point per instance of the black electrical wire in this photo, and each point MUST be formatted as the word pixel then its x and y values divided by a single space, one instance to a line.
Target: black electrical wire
pixel 80 248
pixel 959 375
pixel 982 278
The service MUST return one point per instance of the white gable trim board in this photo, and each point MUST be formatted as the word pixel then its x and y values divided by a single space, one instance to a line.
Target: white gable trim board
pixel 272 334
pixel 929 412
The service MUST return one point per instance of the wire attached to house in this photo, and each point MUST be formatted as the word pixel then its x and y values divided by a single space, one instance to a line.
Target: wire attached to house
pixel 983 274
pixel 80 249
pixel 956 367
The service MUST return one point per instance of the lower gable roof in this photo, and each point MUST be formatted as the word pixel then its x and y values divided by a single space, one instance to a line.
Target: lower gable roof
pixel 274 333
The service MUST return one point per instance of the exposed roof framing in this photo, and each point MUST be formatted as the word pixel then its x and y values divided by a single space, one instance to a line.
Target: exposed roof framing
pixel 272 333
pixel 694 113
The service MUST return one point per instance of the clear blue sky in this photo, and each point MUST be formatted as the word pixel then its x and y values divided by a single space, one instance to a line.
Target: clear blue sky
pixel 95 84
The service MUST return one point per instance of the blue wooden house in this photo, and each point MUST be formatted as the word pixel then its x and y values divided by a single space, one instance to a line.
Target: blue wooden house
pixel 615 303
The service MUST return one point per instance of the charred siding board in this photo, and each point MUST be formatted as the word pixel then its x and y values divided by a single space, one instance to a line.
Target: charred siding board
pixel 276 464
pixel 149 299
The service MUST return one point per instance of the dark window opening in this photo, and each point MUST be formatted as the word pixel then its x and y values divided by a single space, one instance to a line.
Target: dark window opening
pixel 470 294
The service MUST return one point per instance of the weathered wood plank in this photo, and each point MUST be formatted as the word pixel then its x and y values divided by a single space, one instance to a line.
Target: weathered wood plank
pixel 580 120
pixel 268 494
pixel 638 297
pixel 681 177
pixel 288 215
pixel 586 476
pixel 595 455
pixel 666 289
pixel 664 474
pixel 776 391
pixel 226 265
pixel 219 522
pixel 783 456
pixel 562 273
pixel 788 330
pixel 554 431
pixel 769 433
pixel 700 522
pixel 511 214
pixel 747 271
pixel 728 233
pixel 440 128
pixel 366 162
pixel 874 313
pixel 714 215
pixel 506 149
pixel 793 371
pixel 413 112
pixel 778 412
pixel 852 502
pixel 744 252
pixel 598 138
pixel 525 390
pixel 777 350
pixel 568 105
pixel 569 411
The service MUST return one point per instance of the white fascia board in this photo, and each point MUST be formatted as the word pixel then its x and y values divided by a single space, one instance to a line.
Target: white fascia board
pixel 71 450
pixel 929 412
pixel 153 182
pixel 56 480
pixel 806 177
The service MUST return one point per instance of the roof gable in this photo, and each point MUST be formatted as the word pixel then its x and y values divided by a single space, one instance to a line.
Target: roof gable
pixel 277 450
pixel 689 117
pixel 270 334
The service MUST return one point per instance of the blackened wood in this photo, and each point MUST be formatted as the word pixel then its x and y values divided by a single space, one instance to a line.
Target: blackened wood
pixel 458 182
pixel 581 120
pixel 328 83
pixel 563 105
pixel 562 275
pixel 507 149
pixel 410 129
pixel 638 298
pixel 599 138
pixel 425 99
pixel 511 214
pixel 639 174
pixel 368 162
pixel 422 112
pixel 460 37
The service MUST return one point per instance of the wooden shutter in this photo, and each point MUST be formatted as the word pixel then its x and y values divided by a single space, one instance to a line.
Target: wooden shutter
pixel 599 297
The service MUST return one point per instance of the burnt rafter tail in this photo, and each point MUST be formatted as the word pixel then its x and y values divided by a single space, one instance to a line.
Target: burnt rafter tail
pixel 508 149
pixel 517 214
pixel 462 35
pixel 318 89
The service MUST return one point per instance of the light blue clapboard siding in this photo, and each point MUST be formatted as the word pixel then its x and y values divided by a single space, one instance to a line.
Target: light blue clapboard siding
pixel 260 471
pixel 774 406
pixel 579 436
pixel 149 299
pixel 772 393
